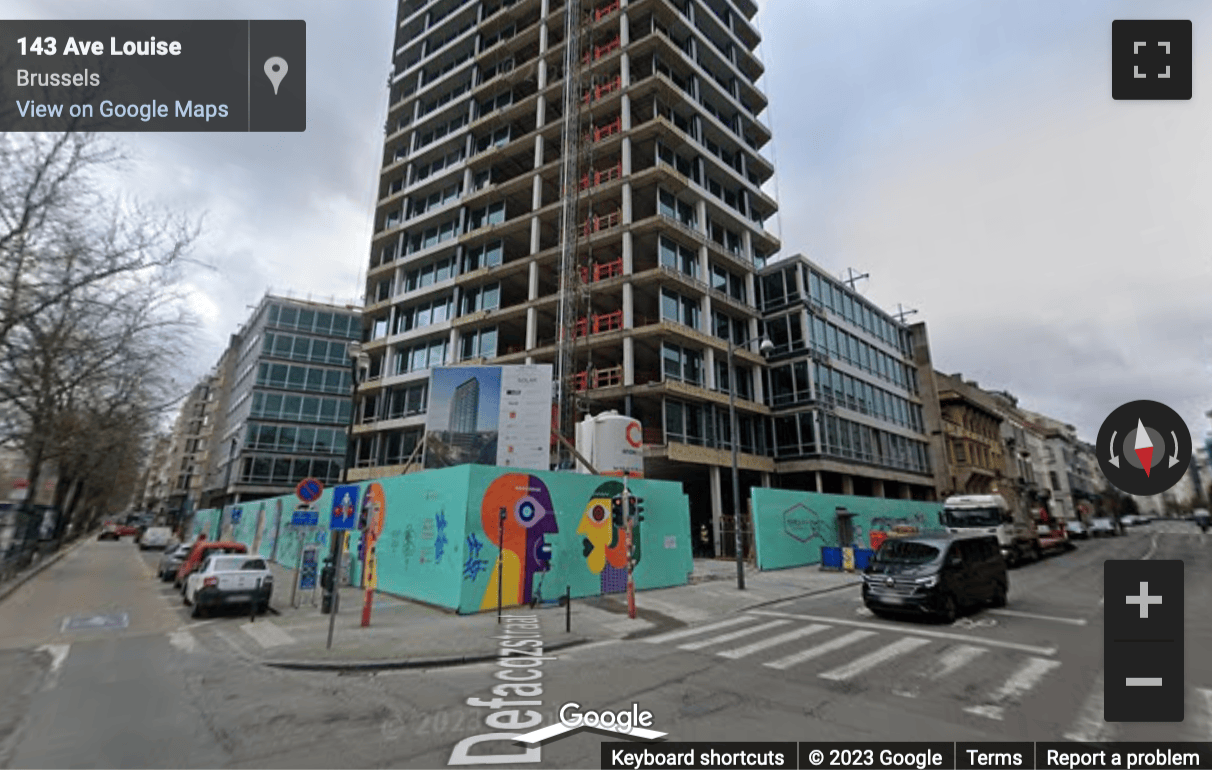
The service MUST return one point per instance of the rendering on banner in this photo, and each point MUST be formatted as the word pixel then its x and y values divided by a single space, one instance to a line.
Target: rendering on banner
pixel 489 415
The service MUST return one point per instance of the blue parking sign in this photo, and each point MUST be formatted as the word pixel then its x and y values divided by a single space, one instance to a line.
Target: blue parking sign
pixel 344 507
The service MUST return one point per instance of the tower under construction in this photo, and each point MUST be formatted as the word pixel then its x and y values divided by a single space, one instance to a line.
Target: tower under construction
pixel 577 183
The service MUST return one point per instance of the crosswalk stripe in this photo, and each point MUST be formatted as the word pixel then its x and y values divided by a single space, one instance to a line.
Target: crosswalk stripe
pixel 733 635
pixel 820 649
pixel 698 629
pixel 944 665
pixel 773 641
pixel 1089 727
pixel 1022 680
pixel 873 659
pixel 1030 649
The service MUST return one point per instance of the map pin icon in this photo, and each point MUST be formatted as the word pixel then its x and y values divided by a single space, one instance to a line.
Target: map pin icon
pixel 275 70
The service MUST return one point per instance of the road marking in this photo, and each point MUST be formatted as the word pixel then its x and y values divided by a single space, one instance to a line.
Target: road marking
pixel 267 634
pixel 1206 695
pixel 183 640
pixel 1019 682
pixel 696 630
pixel 1053 618
pixel 1028 648
pixel 819 650
pixel 1152 548
pixel 1089 727
pixel 871 660
pixel 749 649
pixel 946 664
pixel 733 635
pixel 58 653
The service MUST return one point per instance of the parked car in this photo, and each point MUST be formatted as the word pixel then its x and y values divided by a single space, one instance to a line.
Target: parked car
pixel 937 574
pixel 222 580
pixel 109 531
pixel 1103 526
pixel 174 556
pixel 1130 520
pixel 198 554
pixel 155 537
pixel 1078 530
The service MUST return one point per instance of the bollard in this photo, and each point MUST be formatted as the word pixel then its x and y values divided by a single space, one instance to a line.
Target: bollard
pixel 256 600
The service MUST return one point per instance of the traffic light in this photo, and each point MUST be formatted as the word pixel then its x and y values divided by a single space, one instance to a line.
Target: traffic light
pixel 635 506
pixel 616 508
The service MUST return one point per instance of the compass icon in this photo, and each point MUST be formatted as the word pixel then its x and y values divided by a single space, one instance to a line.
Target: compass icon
pixel 1144 448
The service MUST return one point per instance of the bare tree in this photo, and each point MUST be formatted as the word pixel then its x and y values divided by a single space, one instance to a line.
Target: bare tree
pixel 59 232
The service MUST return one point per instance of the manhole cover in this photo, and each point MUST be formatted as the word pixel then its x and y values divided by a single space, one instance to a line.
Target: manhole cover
pixel 83 622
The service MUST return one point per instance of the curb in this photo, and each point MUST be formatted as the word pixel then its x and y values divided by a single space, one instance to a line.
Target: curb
pixel 387 665
pixel 815 592
pixel 45 564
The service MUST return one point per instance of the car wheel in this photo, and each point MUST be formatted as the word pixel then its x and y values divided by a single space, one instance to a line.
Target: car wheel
pixel 999 595
pixel 1037 553
pixel 948 610
pixel 198 611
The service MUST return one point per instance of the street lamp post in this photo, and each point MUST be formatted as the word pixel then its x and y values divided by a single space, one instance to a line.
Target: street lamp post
pixel 765 347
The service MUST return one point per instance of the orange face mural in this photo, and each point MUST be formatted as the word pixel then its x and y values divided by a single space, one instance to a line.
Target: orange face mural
pixel 528 518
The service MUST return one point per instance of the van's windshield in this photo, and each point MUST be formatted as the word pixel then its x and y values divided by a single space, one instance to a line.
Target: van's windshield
pixel 906 552
pixel 972 517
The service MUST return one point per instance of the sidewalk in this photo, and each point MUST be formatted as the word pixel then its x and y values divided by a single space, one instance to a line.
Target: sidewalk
pixel 406 634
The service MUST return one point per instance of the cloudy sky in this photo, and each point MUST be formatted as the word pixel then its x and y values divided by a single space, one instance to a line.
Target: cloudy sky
pixel 968 156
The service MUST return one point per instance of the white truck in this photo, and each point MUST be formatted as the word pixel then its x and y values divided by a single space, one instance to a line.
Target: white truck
pixel 989 514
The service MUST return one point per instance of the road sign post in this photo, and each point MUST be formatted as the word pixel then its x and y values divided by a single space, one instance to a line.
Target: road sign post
pixel 344 516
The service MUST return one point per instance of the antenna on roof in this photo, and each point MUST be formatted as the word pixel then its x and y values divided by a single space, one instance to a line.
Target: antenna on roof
pixel 853 277
pixel 901 312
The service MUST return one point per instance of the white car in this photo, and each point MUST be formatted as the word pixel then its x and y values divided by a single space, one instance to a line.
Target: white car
pixel 155 537
pixel 225 579
pixel 1077 529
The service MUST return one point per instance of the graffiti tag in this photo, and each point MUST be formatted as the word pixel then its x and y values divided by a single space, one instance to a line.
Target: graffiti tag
pixel 802 523
pixel 474 565
pixel 439 545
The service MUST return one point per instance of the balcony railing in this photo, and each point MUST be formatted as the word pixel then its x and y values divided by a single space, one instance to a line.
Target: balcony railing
pixel 599 222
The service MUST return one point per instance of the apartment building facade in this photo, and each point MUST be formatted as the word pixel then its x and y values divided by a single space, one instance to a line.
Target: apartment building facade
pixel 466 259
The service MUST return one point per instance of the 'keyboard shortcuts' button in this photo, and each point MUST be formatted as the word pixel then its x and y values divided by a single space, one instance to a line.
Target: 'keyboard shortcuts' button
pixel 1143 641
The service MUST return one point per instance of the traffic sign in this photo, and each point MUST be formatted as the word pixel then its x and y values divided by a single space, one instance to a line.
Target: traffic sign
pixel 344 507
pixel 305 518
pixel 309 490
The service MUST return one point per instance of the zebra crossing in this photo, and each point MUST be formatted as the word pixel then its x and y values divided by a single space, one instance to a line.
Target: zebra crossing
pixel 924 661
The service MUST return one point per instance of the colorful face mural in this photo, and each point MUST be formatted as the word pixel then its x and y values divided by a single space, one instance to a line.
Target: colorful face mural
pixel 529 518
pixel 597 529
pixel 604 538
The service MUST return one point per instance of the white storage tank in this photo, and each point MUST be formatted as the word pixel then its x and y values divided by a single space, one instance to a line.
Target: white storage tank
pixel 613 444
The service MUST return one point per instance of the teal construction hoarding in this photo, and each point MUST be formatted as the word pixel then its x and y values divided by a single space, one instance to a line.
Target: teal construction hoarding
pixel 791 527
pixel 443 540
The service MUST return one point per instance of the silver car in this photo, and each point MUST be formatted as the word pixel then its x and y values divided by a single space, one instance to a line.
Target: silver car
pixel 173 558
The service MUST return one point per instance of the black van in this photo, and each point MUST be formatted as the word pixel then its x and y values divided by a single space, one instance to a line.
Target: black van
pixel 936 574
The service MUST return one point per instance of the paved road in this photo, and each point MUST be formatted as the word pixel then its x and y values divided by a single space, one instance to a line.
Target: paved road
pixel 164 690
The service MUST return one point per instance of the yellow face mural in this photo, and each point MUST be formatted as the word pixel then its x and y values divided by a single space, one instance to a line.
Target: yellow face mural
pixel 597 530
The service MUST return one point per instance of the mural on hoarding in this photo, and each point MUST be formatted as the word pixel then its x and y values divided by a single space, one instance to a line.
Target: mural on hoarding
pixel 604 536
pixel 790 528
pixel 529 517
pixel 442 543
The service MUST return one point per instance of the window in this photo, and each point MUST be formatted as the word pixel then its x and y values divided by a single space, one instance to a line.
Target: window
pixel 489 215
pixel 671 206
pixel 682 364
pixel 485 255
pixel 675 307
pixel 678 257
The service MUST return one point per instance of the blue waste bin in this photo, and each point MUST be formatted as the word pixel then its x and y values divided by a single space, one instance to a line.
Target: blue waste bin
pixel 831 557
